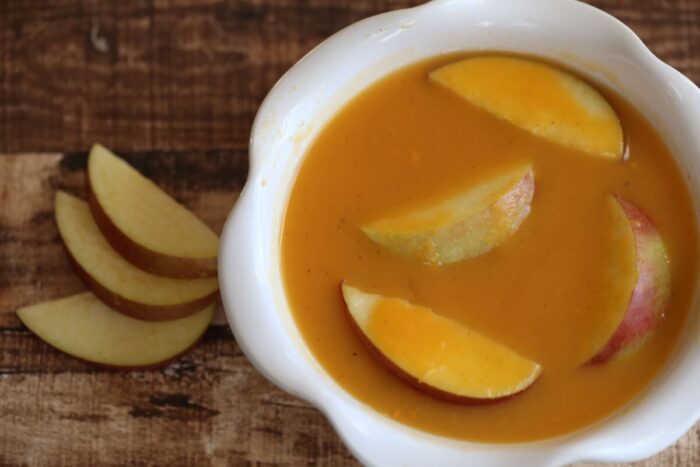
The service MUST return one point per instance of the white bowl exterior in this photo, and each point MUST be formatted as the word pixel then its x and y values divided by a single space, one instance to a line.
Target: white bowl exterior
pixel 317 87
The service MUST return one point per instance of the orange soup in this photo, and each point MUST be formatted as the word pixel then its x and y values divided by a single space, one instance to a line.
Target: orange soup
pixel 543 290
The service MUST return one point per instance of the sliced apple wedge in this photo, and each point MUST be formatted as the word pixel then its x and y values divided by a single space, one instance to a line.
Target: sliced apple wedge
pixel 116 281
pixel 462 226
pixel 435 354
pixel 84 327
pixel 639 282
pixel 546 101
pixel 146 225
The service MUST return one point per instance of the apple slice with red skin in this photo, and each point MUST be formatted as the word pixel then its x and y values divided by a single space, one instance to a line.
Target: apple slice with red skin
pixel 116 281
pixel 144 224
pixel 461 226
pixel 437 355
pixel 648 288
pixel 84 327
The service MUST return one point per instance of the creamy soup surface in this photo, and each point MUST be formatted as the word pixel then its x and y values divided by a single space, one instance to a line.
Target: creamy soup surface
pixel 540 292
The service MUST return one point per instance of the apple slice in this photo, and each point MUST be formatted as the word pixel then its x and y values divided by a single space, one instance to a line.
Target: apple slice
pixel 462 226
pixel 546 101
pixel 640 282
pixel 146 225
pixel 84 327
pixel 116 281
pixel 435 354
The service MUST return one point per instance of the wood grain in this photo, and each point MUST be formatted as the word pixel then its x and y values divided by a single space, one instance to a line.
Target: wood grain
pixel 173 85
pixel 166 75
pixel 186 75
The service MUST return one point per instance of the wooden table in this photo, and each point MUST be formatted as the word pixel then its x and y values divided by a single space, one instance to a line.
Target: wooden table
pixel 173 85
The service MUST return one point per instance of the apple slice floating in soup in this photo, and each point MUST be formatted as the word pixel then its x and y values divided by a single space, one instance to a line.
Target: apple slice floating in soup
pixel 545 101
pixel 437 355
pixel 462 226
pixel 639 282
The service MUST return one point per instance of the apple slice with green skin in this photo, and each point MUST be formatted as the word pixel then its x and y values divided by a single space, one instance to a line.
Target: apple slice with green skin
pixel 84 327
pixel 144 224
pixel 545 101
pixel 462 226
pixel 642 277
pixel 437 355
pixel 116 281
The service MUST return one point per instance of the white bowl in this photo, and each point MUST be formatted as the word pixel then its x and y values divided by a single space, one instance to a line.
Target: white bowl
pixel 298 107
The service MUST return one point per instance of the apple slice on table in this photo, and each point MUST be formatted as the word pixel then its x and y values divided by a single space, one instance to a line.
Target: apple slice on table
pixel 144 224
pixel 435 354
pixel 545 101
pixel 116 281
pixel 84 327
pixel 461 226
pixel 639 279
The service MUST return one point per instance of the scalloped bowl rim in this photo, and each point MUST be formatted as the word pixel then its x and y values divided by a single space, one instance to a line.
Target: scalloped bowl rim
pixel 317 87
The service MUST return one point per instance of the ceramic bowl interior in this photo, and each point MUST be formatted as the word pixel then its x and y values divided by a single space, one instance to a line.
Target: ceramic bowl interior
pixel 297 108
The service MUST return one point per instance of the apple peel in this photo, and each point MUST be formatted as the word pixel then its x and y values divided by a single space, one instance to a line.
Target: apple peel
pixel 116 281
pixel 437 355
pixel 144 224
pixel 462 226
pixel 651 290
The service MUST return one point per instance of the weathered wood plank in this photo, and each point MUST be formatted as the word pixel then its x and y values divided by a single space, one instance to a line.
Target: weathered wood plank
pixel 175 83
pixel 183 75
pixel 150 74
pixel 210 408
